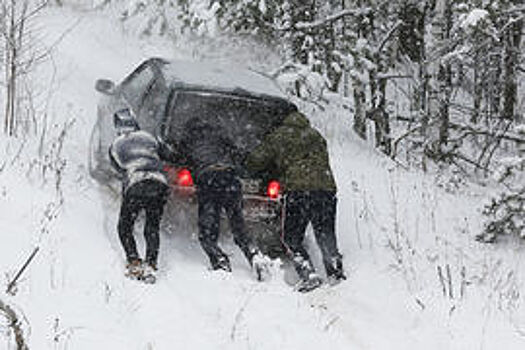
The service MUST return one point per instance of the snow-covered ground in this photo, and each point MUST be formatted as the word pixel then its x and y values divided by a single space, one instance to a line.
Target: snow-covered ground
pixel 417 279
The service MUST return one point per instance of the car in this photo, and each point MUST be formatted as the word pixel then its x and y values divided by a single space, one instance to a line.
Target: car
pixel 163 94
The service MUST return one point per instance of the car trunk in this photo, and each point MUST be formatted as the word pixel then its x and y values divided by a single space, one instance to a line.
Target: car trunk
pixel 245 120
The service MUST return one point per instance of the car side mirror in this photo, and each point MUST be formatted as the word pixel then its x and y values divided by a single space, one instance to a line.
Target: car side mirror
pixel 105 86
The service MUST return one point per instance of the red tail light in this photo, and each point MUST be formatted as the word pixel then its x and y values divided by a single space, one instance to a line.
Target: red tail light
pixel 273 189
pixel 184 178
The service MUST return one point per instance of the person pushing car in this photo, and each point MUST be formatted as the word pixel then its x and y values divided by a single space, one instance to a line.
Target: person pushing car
pixel 135 155
pixel 298 153
pixel 213 158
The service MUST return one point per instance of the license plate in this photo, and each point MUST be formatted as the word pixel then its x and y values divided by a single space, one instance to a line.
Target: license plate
pixel 257 208
pixel 250 185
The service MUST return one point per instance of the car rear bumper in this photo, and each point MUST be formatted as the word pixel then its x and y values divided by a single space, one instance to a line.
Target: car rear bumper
pixel 255 207
pixel 263 217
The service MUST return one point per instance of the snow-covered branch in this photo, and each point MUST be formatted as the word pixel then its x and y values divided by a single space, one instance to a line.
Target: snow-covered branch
pixel 515 9
pixel 381 76
pixel 387 37
pixel 511 22
pixel 468 130
pixel 332 18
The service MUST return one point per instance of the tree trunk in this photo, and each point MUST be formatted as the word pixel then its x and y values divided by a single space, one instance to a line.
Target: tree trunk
pixel 445 80
pixel 494 90
pixel 440 84
pixel 359 125
pixel 511 53
pixel 11 69
pixel 445 88
pixel 478 89
pixel 359 107
pixel 379 115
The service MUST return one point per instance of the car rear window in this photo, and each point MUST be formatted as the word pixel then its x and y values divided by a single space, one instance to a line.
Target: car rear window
pixel 136 85
pixel 246 120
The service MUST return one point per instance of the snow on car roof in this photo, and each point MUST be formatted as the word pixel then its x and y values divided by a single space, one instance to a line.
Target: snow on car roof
pixel 217 75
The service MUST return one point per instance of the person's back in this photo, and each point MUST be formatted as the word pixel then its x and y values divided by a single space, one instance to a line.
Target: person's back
pixel 298 154
pixel 206 146
pixel 212 159
pixel 135 156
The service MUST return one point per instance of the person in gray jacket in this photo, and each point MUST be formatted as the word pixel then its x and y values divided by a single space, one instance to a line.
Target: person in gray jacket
pixel 135 155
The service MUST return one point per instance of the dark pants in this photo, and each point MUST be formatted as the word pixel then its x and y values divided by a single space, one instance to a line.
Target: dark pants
pixel 319 208
pixel 218 189
pixel 150 196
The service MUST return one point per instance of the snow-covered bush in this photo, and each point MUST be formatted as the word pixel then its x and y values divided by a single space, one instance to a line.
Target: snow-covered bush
pixel 299 80
pixel 506 212
pixel 506 216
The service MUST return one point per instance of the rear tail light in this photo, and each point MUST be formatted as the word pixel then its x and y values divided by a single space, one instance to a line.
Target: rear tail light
pixel 273 189
pixel 184 178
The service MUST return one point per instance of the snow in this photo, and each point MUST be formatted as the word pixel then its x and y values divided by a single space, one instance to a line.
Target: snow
pixel 416 277
pixel 311 84
pixel 222 75
pixel 472 18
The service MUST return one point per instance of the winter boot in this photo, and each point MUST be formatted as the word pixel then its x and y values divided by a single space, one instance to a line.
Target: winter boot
pixel 148 275
pixel 135 269
pixel 312 282
pixel 334 269
pixel 308 279
pixel 220 262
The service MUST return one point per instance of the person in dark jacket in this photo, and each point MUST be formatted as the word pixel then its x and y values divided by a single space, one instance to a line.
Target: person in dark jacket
pixel 298 153
pixel 134 154
pixel 212 157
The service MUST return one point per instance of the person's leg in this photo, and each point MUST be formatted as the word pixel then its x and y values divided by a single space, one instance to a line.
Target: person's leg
pixel 154 209
pixel 295 222
pixel 324 207
pixel 231 201
pixel 208 222
pixel 128 213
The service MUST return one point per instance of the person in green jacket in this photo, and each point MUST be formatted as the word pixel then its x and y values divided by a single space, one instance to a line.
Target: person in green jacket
pixel 298 154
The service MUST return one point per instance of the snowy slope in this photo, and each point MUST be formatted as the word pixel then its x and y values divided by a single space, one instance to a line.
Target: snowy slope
pixel 398 231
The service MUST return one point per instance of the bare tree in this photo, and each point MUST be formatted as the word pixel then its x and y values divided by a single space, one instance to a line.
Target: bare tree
pixel 19 57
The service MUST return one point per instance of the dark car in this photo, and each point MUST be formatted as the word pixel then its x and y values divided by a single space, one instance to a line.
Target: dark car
pixel 163 95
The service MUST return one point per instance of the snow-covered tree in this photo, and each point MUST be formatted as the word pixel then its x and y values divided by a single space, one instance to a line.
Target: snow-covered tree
pixel 506 212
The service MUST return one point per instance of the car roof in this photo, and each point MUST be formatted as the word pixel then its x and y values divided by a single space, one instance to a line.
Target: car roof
pixel 216 76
